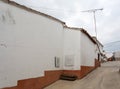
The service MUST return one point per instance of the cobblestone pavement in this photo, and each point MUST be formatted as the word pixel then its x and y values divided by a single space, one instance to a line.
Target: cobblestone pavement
pixel 105 77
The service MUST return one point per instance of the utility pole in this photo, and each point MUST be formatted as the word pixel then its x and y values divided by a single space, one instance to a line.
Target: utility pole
pixel 94 11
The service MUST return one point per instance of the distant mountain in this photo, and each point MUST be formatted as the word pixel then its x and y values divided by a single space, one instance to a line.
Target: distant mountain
pixel 112 47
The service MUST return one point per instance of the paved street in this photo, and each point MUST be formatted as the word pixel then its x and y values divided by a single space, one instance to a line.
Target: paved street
pixel 105 77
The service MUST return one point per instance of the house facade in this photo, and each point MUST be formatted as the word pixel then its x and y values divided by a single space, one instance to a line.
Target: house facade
pixel 72 49
pixel 30 42
pixel 99 50
pixel 35 48
pixel 79 49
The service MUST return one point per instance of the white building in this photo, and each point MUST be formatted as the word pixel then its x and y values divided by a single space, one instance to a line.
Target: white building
pixel 79 52
pixel 99 50
pixel 29 43
pixel 72 49
pixel 108 55
pixel 88 49
pixel 38 46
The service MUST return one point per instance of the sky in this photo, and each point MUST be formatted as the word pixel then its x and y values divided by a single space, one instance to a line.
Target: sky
pixel 70 11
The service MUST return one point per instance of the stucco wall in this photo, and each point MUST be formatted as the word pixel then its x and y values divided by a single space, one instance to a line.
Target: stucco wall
pixel 28 44
pixel 87 51
pixel 71 49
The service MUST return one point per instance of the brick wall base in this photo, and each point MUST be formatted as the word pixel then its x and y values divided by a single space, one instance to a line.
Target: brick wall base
pixel 79 73
pixel 40 82
pixel 86 70
pixel 52 76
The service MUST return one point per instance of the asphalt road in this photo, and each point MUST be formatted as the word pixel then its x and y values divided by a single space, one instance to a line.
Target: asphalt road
pixel 105 77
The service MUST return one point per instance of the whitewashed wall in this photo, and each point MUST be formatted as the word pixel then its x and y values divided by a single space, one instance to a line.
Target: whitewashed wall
pixel 87 51
pixel 28 44
pixel 71 49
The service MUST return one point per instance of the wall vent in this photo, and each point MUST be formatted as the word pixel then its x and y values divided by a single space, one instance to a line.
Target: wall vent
pixel 57 62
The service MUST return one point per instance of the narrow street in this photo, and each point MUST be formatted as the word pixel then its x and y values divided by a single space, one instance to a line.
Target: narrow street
pixel 105 77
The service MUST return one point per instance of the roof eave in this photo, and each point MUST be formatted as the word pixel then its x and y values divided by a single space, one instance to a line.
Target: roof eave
pixel 85 32
pixel 32 10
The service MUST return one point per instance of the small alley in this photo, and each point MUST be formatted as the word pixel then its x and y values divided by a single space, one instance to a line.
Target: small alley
pixel 105 77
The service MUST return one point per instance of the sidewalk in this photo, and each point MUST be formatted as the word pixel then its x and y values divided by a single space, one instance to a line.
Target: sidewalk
pixel 105 77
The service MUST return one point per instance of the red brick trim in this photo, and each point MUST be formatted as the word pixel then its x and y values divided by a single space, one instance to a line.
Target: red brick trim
pixel 52 76
pixel 86 70
pixel 80 73
pixel 40 82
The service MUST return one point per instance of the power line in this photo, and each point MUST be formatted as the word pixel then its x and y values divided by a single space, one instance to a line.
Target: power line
pixel 112 42
pixel 94 11
pixel 112 46
pixel 112 50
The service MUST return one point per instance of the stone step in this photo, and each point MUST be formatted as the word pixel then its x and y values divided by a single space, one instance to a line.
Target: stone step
pixel 68 77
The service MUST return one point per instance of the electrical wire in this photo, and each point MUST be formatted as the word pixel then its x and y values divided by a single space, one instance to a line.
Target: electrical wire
pixel 111 43
pixel 112 46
